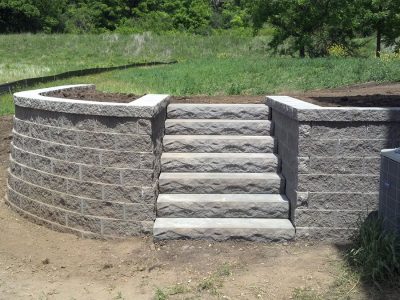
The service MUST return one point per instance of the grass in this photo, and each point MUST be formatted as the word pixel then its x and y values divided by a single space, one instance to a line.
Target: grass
pixel 32 55
pixel 220 64
pixel 375 253
pixel 254 75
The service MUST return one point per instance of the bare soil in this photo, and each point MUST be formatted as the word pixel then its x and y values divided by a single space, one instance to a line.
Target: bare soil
pixel 362 95
pixel 94 95
pixel 37 263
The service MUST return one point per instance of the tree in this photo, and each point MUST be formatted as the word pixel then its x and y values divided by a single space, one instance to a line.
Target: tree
pixel 307 26
pixel 19 16
pixel 383 18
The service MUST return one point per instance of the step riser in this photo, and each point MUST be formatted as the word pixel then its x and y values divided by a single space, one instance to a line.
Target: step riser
pixel 222 146
pixel 219 165
pixel 222 210
pixel 220 186
pixel 224 234
pixel 232 112
pixel 220 128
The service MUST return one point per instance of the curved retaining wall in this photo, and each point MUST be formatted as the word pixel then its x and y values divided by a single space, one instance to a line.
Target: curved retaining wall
pixel 85 167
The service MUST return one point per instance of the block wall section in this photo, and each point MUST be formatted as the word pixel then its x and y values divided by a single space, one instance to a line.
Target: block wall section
pixel 331 171
pixel 339 183
pixel 286 132
pixel 389 196
pixel 91 175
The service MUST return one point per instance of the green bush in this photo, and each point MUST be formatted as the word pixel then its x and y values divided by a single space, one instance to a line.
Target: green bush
pixel 375 252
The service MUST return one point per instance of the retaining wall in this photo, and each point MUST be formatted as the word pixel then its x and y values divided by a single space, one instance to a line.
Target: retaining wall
pixel 86 167
pixel 331 162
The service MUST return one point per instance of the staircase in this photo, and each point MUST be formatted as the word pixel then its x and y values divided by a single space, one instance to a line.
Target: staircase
pixel 219 176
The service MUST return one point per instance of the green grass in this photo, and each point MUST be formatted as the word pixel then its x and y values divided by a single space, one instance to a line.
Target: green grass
pixel 252 75
pixel 32 55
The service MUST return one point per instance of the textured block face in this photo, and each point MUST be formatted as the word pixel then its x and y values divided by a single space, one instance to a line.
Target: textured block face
pixel 86 173
pixel 331 165
pixel 224 183
pixel 217 127
pixel 218 144
pixel 218 111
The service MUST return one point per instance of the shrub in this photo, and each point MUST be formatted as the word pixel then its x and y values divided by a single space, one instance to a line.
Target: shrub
pixel 375 252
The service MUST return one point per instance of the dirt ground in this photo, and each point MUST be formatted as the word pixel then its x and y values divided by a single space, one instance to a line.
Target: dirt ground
pixel 362 95
pixel 37 263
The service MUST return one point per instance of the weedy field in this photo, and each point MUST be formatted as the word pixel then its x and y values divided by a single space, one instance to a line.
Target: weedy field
pixel 220 64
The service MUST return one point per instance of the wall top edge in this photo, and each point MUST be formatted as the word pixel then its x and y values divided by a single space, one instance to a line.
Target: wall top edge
pixel 144 107
pixel 303 111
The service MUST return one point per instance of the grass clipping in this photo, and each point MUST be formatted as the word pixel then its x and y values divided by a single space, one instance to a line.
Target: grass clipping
pixel 376 253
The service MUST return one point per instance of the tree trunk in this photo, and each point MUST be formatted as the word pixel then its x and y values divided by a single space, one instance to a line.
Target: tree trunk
pixel 302 52
pixel 378 43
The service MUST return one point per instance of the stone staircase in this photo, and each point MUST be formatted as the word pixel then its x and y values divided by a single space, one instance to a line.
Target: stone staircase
pixel 219 176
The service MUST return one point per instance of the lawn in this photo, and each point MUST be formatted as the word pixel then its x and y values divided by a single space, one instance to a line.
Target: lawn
pixel 32 55
pixel 226 63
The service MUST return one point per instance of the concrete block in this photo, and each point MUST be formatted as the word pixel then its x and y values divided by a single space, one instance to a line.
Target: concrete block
pixel 119 159
pixel 103 209
pixel 20 156
pixel 317 183
pixel 53 150
pixel 41 163
pixel 343 200
pixel 54 182
pixel 21 127
pixel 31 145
pixel 337 165
pixel 140 212
pixel 134 143
pixel 96 140
pixel 137 177
pixel 83 155
pixel 218 111
pixel 82 222
pixel 85 189
pixel 100 174
pixel 125 228
pixel 117 125
pixel 145 126
pixel 65 169
pixel 358 183
pixel 122 193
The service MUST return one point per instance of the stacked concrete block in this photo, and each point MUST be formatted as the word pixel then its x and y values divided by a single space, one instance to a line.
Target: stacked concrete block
pixel 93 173
pixel 330 161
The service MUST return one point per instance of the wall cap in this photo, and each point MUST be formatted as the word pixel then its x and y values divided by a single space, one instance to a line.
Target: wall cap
pixel 303 111
pixel 144 107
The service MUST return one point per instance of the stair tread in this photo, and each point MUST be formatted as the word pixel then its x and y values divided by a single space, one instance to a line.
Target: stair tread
pixel 241 198
pixel 226 223
pixel 213 121
pixel 171 155
pixel 216 137
pixel 228 105
pixel 209 175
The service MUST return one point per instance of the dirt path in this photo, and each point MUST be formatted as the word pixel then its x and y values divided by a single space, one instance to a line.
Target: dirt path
pixel 37 263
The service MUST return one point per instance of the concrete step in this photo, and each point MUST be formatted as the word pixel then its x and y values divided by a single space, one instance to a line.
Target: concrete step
pixel 219 162
pixel 220 183
pixel 219 143
pixel 218 111
pixel 221 229
pixel 217 127
pixel 223 206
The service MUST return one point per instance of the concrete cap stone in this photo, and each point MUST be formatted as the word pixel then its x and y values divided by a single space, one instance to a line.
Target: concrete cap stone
pixel 145 107
pixel 303 111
